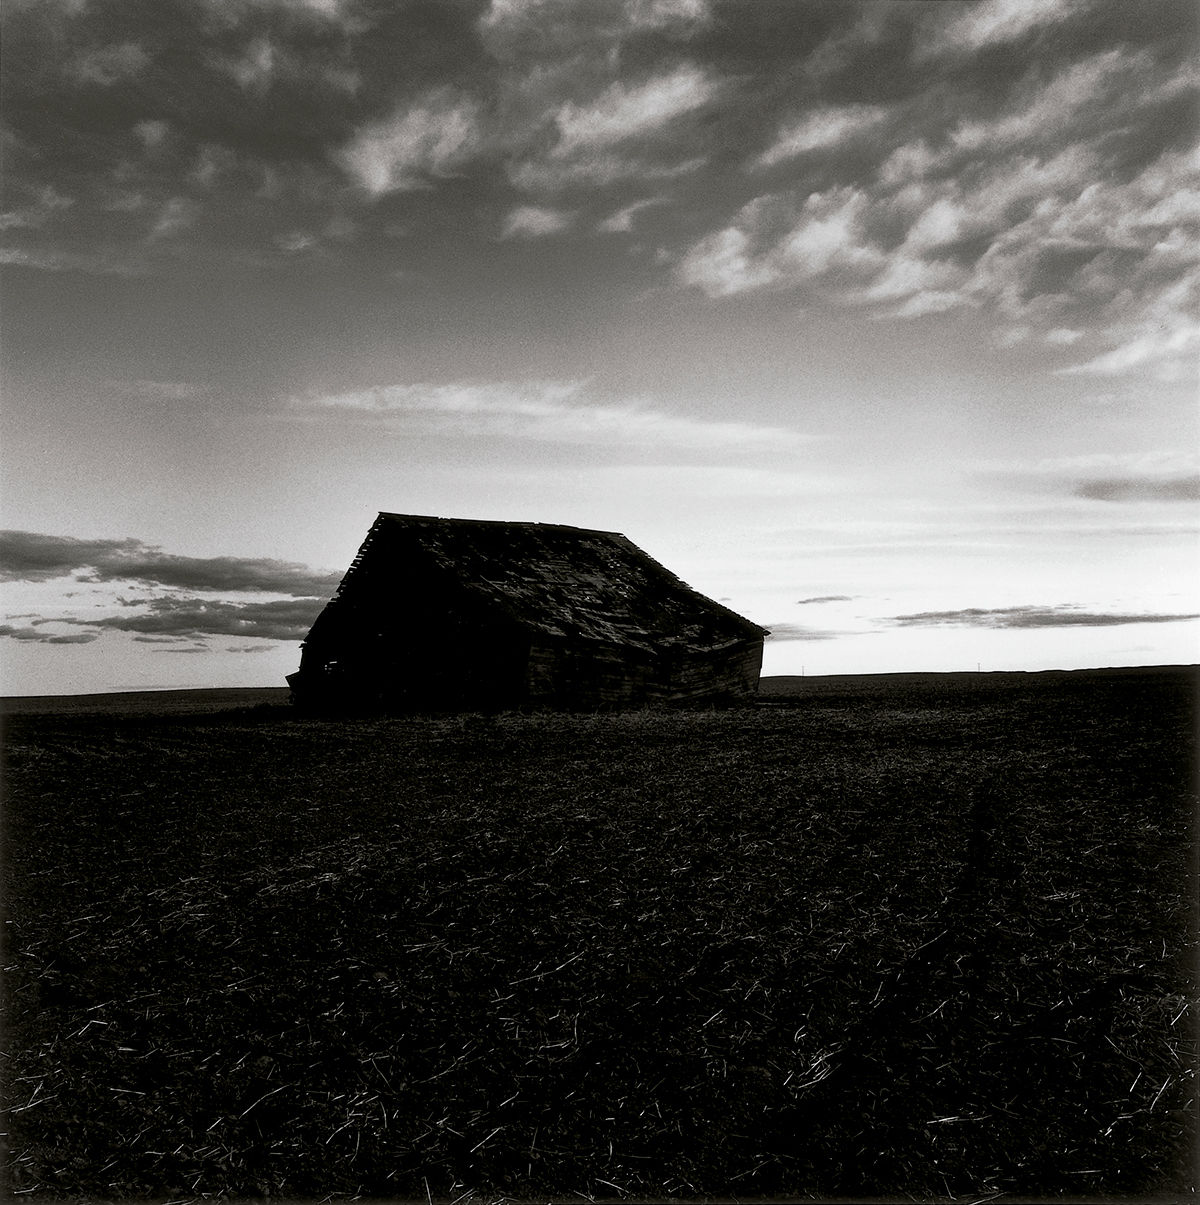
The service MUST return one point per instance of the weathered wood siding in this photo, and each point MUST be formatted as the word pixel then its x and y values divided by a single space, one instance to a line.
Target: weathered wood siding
pixel 732 670
pixel 591 676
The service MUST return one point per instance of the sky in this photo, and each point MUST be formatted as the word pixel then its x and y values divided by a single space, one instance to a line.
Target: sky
pixel 876 321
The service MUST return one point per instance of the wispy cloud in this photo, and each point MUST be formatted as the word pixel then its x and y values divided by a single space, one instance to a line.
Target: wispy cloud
pixel 1064 615
pixel 535 221
pixel 627 131
pixel 108 65
pixel 45 204
pixel 93 263
pixel 1133 489
pixel 159 391
pixel 169 621
pixel 177 214
pixel 796 631
pixel 34 557
pixel 822 598
pixel 430 137
pixel 1163 476
pixel 824 127
pixel 542 411
pixel 623 113
pixel 287 619
pixel 623 220
pixel 1043 210
pixel 38 636
pixel 522 28
pixel 991 23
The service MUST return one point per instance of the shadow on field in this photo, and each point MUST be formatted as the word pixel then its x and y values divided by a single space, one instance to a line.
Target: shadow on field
pixel 923 936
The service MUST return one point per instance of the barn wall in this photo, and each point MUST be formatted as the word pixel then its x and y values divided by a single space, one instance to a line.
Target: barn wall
pixel 561 674
pixel 412 643
pixel 590 676
pixel 732 671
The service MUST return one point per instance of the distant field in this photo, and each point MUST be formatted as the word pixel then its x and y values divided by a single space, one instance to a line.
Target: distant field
pixel 145 702
pixel 915 934
pixel 200 701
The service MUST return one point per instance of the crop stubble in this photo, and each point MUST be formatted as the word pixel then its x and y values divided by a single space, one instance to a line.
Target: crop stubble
pixel 888 938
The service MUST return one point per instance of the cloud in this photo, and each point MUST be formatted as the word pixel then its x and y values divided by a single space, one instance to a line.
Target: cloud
pixel 824 127
pixel 255 67
pixel 231 13
pixel 552 28
pixel 1065 615
pixel 1040 180
pixel 108 65
pixel 152 133
pixel 34 557
pixel 973 27
pixel 46 204
pixel 1163 476
pixel 542 411
pixel 823 598
pixel 1159 332
pixel 104 262
pixel 625 113
pixel 34 634
pixel 678 16
pixel 1075 102
pixel 159 391
pixel 1063 210
pixel 621 222
pixel 1132 489
pixel 535 221
pixel 795 631
pixel 287 619
pixel 722 265
pixel 428 138
pixel 626 131
pixel 176 215
pixel 775 243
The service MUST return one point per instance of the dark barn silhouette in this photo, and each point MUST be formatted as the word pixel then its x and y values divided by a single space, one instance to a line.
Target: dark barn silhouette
pixel 455 614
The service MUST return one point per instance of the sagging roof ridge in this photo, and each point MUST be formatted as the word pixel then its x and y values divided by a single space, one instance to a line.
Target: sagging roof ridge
pixel 678 585
pixel 459 522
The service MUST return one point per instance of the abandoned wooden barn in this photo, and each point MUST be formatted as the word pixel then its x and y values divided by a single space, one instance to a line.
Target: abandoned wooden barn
pixel 455 614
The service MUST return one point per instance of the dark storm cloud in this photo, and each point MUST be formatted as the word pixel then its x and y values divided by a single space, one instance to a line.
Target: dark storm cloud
pixel 33 556
pixel 1062 616
pixel 37 636
pixel 1138 489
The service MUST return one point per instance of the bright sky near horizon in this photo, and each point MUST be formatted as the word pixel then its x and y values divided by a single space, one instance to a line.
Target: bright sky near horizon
pixel 876 321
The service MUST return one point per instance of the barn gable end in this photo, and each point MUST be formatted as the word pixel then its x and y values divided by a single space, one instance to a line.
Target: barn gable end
pixel 467 614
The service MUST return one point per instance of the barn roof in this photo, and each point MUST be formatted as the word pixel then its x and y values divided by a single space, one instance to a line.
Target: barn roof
pixel 557 580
